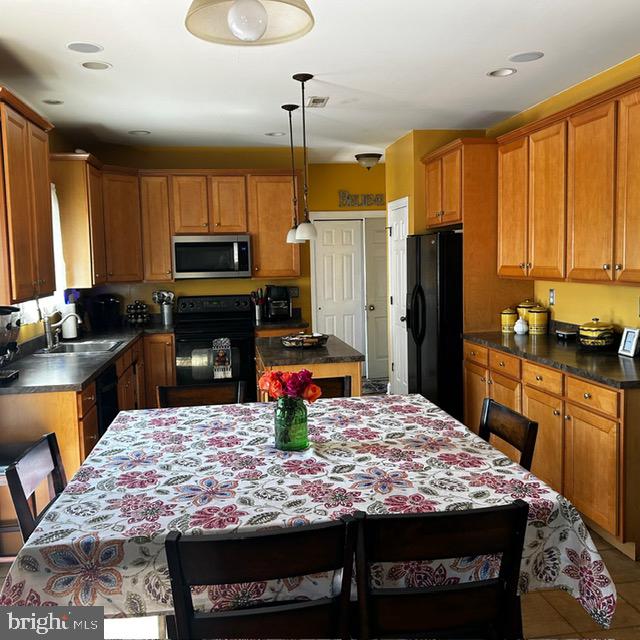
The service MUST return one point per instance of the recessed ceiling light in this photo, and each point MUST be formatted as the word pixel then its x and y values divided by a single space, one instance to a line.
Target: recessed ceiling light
pixel 502 73
pixel 97 66
pixel 275 134
pixel 84 47
pixel 139 132
pixel 526 56
pixel 52 101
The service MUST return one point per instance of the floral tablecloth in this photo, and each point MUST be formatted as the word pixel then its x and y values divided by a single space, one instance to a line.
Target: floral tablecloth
pixel 205 469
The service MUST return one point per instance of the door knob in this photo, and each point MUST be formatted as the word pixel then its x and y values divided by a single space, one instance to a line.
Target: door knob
pixel 403 318
pixel 372 307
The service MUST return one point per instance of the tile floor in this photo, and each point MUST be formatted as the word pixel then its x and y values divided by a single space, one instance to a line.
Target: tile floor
pixel 555 614
pixel 549 615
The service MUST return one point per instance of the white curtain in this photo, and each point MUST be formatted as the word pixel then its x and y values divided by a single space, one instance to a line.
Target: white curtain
pixel 52 303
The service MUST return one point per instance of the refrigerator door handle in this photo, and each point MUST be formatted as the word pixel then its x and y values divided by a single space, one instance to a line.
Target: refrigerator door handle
pixel 422 314
pixel 411 307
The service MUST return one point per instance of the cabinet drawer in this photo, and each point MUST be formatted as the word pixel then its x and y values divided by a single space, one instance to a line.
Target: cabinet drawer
pixel 86 399
pixel 505 364
pixel 542 378
pixel 593 396
pixel 476 353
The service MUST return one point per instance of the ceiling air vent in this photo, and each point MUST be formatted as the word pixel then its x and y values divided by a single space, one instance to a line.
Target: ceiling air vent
pixel 317 102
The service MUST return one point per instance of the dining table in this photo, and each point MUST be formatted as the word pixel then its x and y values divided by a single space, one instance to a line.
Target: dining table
pixel 215 468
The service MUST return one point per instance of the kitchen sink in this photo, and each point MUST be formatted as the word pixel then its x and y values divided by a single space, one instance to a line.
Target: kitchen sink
pixel 88 347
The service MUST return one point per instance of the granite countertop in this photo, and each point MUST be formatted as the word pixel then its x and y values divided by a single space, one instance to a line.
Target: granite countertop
pixel 606 367
pixel 67 373
pixel 273 354
pixel 293 323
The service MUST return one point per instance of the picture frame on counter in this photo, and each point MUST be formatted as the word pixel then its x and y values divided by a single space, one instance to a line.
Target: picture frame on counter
pixel 629 343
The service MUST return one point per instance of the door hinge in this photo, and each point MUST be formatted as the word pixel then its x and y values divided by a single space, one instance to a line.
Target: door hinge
pixel 391 299
pixel 390 231
pixel 393 366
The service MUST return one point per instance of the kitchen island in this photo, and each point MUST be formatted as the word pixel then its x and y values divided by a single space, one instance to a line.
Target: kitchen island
pixel 335 359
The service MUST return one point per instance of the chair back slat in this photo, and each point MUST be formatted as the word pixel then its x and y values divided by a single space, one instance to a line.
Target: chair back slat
pixel 212 559
pixel 448 534
pixel 511 426
pixel 201 395
pixel 254 557
pixel 39 462
pixel 479 607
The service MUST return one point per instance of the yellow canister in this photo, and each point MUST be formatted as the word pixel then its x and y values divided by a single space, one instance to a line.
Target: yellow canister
pixel 508 319
pixel 523 308
pixel 538 320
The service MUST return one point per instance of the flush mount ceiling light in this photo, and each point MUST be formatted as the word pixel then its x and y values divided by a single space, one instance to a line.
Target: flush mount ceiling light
pixel 139 132
pixel 97 66
pixel 249 22
pixel 51 101
pixel 84 47
pixel 504 72
pixel 276 134
pixel 368 160
pixel 526 56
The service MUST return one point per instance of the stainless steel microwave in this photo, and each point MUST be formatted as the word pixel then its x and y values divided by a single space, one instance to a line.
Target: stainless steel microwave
pixel 215 256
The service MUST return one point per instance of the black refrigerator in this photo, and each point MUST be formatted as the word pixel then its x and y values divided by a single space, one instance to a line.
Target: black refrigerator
pixel 434 318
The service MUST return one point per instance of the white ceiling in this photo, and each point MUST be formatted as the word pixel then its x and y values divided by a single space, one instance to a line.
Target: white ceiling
pixel 388 66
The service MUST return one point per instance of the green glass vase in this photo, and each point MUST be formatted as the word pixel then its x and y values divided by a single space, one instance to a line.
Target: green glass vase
pixel 291 424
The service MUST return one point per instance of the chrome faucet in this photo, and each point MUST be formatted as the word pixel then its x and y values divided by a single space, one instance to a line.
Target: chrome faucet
pixel 52 331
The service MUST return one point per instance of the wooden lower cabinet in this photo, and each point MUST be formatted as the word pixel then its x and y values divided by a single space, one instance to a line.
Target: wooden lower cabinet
pixel 507 392
pixel 127 390
pixel 591 475
pixel 159 364
pixel 88 431
pixel 547 411
pixel 476 390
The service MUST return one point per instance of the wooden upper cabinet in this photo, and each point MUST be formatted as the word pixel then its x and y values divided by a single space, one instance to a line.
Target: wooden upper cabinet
pixel 513 207
pixel 19 204
pixel 627 254
pixel 42 220
pixel 547 202
pixel 156 228
pixel 591 193
pixel 228 204
pixel 433 187
pixel 96 225
pixel 123 237
pixel 452 187
pixel 270 201
pixel 190 208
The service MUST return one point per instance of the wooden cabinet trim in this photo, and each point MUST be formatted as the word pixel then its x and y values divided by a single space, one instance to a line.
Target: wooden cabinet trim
pixel 455 144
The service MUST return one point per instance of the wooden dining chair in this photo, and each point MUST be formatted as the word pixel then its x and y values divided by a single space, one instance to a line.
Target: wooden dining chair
pixel 39 462
pixel 199 395
pixel 487 608
pixel 512 427
pixel 339 387
pixel 255 557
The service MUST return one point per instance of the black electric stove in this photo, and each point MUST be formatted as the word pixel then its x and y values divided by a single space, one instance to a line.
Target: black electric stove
pixel 215 341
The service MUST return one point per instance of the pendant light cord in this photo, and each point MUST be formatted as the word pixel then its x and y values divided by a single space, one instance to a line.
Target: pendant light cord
pixel 293 172
pixel 305 192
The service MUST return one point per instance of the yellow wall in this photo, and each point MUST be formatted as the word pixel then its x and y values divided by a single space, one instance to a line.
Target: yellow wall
pixel 326 180
pixel 577 302
pixel 405 171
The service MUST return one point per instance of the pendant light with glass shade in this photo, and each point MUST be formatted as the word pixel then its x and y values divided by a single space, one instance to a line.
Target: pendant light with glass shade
pixel 291 236
pixel 306 230
pixel 249 22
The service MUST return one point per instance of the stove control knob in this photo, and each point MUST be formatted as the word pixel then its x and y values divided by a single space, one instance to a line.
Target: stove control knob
pixel 183 305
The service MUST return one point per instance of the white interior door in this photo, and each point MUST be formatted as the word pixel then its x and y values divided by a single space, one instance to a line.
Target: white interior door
pixel 339 281
pixel 375 273
pixel 398 219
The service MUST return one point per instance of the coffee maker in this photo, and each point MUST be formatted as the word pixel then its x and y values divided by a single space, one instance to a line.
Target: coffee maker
pixel 278 303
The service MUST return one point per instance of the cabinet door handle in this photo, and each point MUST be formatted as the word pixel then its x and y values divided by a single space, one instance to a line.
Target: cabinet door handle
pixel 473 353
pixel 606 266
pixel 483 379
pixel 567 417
pixel 90 398
pixel 168 344
pixel 539 378
pixel 97 275
pixel 522 265
pixel 618 267
pixel 489 381
pixel 110 273
pixel 205 224
pixel 556 412
pixel 587 396
pixel 169 272
pixel 529 265
pixel 217 224
pixel 501 363
pixel 256 268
